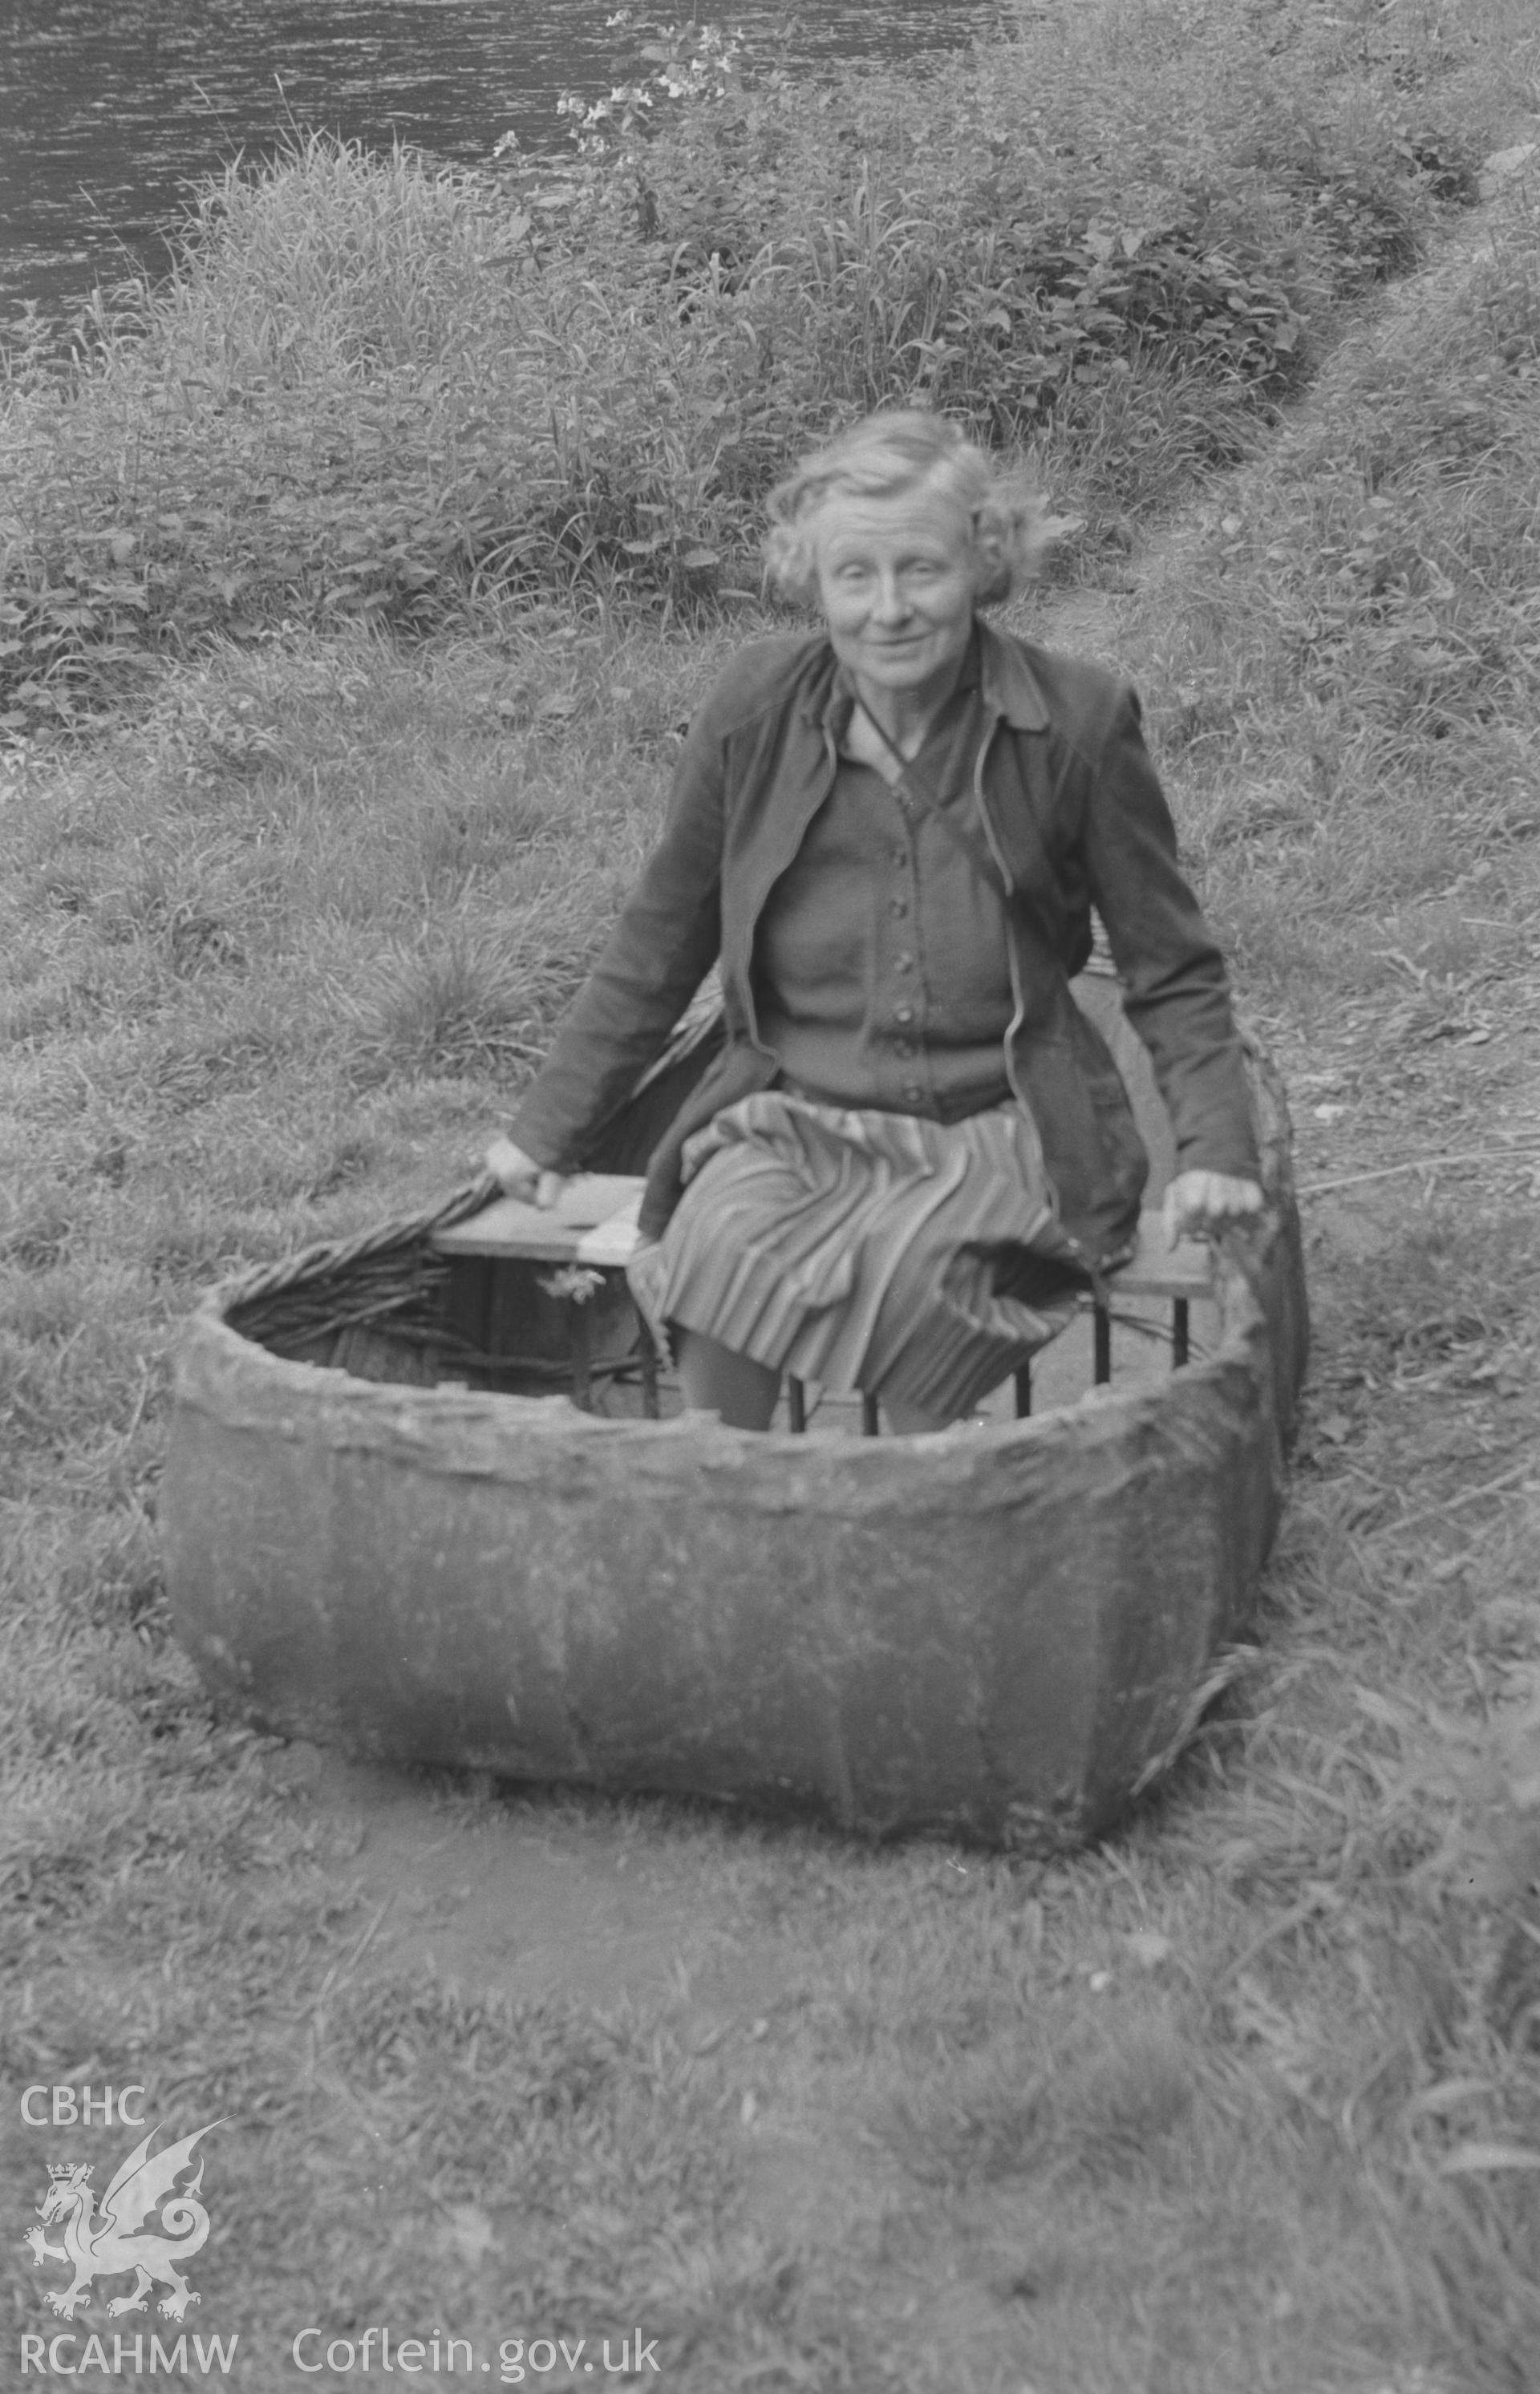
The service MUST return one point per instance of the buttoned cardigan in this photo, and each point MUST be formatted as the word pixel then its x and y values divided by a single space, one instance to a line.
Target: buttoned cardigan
pixel 881 955
pixel 1074 816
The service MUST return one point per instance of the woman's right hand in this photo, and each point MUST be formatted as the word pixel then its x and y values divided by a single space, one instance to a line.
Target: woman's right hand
pixel 521 1176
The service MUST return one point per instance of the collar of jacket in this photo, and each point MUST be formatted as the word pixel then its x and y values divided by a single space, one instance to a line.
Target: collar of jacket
pixel 1009 687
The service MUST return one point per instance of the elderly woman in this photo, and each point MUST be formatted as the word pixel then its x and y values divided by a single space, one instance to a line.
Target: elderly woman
pixel 915 1146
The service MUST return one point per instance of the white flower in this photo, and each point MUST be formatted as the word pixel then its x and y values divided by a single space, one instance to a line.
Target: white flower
pixel 577 1281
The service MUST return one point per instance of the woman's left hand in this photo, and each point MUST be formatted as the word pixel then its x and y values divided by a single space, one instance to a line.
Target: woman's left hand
pixel 1200 1202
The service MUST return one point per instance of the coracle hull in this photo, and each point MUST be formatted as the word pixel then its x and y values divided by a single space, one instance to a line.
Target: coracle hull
pixel 993 1634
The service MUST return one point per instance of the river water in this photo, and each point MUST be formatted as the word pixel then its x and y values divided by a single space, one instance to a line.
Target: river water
pixel 109 108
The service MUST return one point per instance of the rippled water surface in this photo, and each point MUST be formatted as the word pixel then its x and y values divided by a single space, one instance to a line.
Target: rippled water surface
pixel 108 108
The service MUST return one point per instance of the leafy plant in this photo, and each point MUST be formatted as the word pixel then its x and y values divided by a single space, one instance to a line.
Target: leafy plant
pixel 381 391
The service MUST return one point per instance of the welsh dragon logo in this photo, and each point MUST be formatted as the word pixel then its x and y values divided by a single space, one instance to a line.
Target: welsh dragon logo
pixel 117 2241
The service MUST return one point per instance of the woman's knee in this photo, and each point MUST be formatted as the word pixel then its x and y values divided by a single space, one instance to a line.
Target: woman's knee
pixel 718 1379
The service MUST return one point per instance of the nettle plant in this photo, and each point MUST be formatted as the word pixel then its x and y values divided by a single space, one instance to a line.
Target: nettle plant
pixel 687 154
pixel 686 62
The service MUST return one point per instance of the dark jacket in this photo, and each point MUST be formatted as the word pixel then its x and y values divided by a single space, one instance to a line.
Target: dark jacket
pixel 1075 817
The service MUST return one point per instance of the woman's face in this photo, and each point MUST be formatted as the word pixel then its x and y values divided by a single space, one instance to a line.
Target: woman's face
pixel 897 578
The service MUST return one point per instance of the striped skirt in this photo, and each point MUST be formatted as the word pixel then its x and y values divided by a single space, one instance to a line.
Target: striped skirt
pixel 865 1250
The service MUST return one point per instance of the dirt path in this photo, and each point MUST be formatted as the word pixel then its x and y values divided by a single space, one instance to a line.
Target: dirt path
pixel 531 1898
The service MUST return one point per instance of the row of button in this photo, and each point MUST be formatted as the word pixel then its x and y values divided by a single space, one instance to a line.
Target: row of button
pixel 906 1049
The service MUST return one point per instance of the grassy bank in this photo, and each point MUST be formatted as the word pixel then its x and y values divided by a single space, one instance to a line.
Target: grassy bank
pixel 1249 2099
pixel 380 392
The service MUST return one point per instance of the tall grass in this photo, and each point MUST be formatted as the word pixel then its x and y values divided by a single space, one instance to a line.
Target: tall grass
pixel 379 391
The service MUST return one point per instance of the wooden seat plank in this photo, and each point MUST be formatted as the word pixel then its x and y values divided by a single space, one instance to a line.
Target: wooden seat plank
pixel 1155 1269
pixel 594 1221
pixel 589 1203
pixel 610 1245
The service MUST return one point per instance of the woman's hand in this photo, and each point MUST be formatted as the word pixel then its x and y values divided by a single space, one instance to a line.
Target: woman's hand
pixel 1200 1202
pixel 521 1176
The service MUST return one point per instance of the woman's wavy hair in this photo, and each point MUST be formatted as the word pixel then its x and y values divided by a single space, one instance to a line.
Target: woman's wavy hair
pixel 906 449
